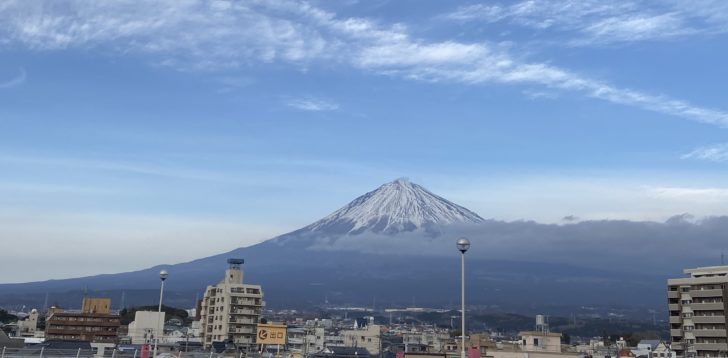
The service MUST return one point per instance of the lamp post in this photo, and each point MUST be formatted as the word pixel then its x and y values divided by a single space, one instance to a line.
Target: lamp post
pixel 162 276
pixel 463 245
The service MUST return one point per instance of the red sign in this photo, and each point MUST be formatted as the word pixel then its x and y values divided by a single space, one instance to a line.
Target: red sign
pixel 473 352
pixel 145 351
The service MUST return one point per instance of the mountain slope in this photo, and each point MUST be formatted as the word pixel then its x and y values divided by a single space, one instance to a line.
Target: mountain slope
pixel 394 243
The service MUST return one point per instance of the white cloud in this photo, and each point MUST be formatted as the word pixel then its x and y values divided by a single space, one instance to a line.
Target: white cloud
pixel 188 34
pixel 696 194
pixel 16 81
pixel 630 28
pixel 594 22
pixel 714 153
pixel 200 35
pixel 591 195
pixel 312 104
pixel 534 95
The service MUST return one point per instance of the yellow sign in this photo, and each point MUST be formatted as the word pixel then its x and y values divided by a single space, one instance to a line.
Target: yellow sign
pixel 271 334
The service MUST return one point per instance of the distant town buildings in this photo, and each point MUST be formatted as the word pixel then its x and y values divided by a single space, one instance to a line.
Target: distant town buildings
pixel 228 319
pixel 28 326
pixel 697 306
pixel 231 309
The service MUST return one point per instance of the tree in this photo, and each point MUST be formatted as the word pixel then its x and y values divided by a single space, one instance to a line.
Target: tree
pixel 127 315
pixel 565 338
pixel 6 317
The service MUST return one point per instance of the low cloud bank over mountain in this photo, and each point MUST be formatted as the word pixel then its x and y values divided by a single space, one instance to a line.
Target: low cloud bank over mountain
pixel 661 248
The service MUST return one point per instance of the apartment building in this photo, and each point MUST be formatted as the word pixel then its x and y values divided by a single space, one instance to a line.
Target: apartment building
pixel 367 336
pixel 94 323
pixel 698 311
pixel 230 310
pixel 304 341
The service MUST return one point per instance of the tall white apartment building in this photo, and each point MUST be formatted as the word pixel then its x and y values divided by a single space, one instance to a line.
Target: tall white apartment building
pixel 698 312
pixel 231 309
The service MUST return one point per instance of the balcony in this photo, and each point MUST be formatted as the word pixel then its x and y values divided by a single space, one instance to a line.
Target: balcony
pixel 677 319
pixel 673 307
pixel 710 332
pixel 676 333
pixel 247 303
pixel 707 293
pixel 711 346
pixel 708 306
pixel 673 294
pixel 707 319
pixel 242 321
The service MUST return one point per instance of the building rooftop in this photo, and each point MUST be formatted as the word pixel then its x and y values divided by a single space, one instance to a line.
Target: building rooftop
pixel 651 342
pixel 707 271
pixel 344 352
pixel 538 333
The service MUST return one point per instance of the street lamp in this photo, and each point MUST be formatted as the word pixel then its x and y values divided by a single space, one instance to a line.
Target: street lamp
pixel 162 276
pixel 463 245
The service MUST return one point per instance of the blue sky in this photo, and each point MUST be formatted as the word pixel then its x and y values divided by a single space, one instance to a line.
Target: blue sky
pixel 200 127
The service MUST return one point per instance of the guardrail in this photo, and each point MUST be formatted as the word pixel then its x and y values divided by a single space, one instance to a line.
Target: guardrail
pixel 44 352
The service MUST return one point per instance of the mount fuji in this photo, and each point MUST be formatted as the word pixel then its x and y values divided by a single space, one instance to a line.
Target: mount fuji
pixel 394 207
pixel 395 244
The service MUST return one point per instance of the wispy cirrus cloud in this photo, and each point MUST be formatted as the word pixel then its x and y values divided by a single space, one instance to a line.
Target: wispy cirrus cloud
pixel 713 153
pixel 699 194
pixel 592 22
pixel 311 104
pixel 209 36
pixel 15 81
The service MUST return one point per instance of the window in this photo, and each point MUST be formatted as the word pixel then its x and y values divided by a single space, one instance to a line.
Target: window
pixel 535 341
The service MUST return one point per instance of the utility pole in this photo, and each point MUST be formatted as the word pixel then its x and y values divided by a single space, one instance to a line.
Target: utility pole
pixel 463 245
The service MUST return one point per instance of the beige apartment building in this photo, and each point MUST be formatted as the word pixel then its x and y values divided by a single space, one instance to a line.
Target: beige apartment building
pixel 369 336
pixel 94 323
pixel 698 312
pixel 231 309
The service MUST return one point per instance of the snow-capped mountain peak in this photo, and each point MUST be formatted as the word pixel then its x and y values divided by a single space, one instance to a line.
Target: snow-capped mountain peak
pixel 394 207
